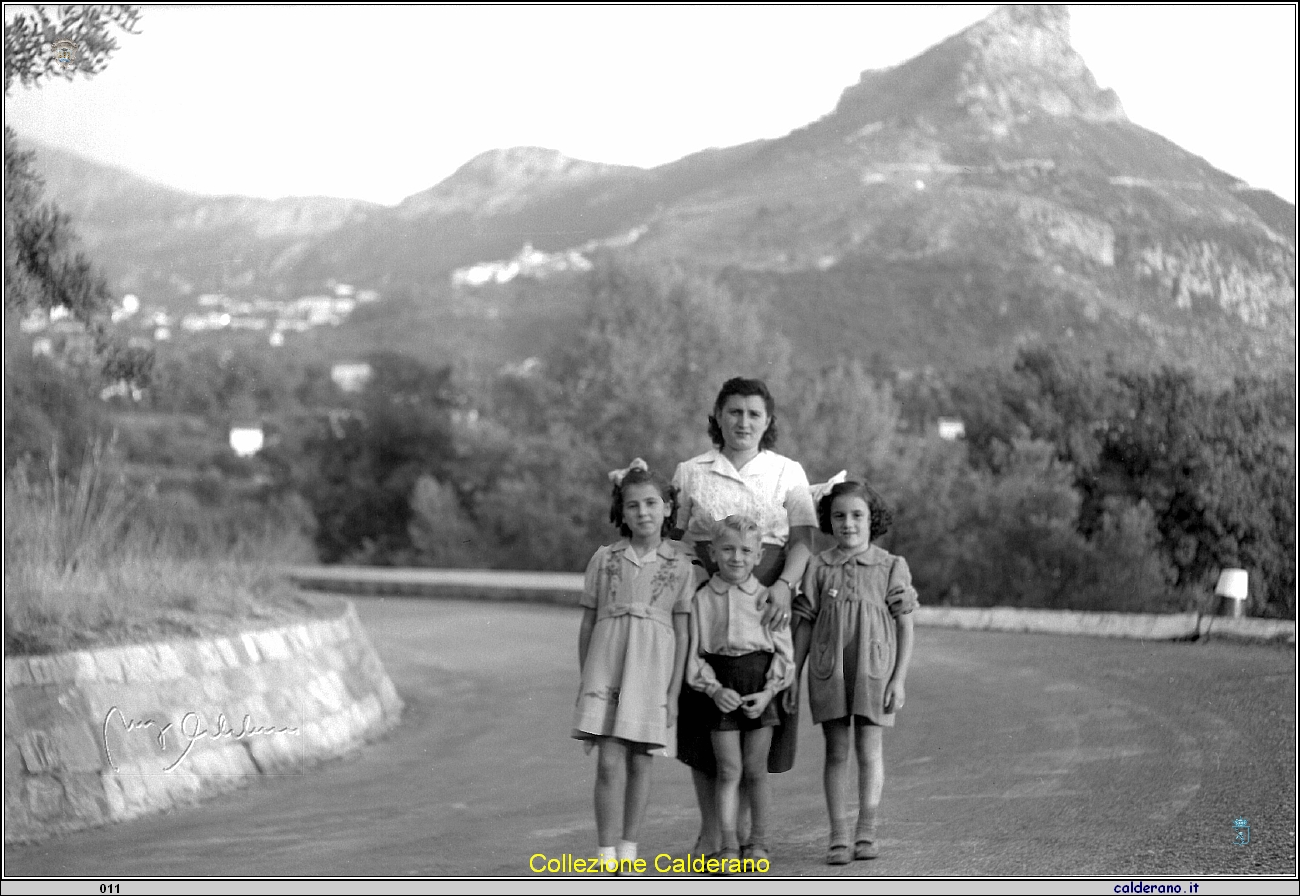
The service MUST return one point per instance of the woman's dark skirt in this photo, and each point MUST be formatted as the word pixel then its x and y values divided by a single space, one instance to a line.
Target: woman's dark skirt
pixel 695 710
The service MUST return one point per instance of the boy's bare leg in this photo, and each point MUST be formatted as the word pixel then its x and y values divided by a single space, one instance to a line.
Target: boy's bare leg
pixel 726 747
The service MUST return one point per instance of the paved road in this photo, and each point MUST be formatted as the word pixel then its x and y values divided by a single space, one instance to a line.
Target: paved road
pixel 1016 755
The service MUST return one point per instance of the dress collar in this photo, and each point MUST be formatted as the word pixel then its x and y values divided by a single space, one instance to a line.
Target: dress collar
pixel 667 549
pixel 718 463
pixel 874 555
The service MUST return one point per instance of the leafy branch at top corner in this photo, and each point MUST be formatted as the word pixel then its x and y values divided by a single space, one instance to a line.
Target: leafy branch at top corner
pixel 30 37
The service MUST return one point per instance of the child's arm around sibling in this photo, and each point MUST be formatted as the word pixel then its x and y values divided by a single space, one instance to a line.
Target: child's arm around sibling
pixel 901 600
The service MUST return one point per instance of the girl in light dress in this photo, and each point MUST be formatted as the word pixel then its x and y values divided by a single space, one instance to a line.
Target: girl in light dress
pixel 632 651
pixel 854 629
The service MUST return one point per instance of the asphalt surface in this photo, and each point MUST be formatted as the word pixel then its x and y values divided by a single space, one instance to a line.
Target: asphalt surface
pixel 1016 755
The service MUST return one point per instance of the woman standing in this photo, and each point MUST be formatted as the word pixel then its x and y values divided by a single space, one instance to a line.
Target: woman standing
pixel 742 475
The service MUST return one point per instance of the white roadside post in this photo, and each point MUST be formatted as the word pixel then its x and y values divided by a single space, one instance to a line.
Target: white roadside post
pixel 1231 592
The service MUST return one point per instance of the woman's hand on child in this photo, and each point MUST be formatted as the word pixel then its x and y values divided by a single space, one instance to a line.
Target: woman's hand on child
pixel 754 704
pixel 776 615
pixel 726 699
pixel 894 696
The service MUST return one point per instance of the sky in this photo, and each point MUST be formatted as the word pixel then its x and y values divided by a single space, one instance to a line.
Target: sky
pixel 378 103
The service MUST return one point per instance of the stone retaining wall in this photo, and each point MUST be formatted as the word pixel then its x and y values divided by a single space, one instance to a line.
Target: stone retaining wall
pixel 1141 626
pixel 565 588
pixel 94 736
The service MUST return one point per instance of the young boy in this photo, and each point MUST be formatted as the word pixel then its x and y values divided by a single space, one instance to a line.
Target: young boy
pixel 741 665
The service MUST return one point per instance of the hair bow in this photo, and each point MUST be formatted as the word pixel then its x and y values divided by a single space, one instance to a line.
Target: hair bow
pixel 822 489
pixel 616 476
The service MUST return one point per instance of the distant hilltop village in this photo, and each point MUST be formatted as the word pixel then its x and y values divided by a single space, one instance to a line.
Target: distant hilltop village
pixel 532 262
pixel 216 312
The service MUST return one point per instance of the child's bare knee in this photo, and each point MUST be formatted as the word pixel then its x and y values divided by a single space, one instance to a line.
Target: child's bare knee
pixel 730 770
pixel 755 768
pixel 609 765
pixel 837 750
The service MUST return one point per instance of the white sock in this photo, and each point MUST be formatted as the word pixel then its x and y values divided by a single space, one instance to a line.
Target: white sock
pixel 607 855
pixel 626 850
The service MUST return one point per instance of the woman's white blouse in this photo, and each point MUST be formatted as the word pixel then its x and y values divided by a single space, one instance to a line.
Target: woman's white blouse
pixel 770 489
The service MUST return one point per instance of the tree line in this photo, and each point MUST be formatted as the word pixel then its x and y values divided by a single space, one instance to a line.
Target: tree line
pixel 1090 486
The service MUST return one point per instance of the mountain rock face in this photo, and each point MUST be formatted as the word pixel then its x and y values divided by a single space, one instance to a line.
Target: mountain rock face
pixel 985 195
pixel 1015 64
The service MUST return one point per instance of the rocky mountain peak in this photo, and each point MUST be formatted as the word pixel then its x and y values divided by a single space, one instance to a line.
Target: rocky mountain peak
pixel 1022 63
pixel 1014 64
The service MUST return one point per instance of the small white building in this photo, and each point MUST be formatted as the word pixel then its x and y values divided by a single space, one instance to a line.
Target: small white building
pixel 351 377
pixel 951 428
pixel 246 439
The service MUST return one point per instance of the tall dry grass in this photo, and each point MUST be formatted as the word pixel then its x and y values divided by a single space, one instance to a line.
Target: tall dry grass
pixel 87 562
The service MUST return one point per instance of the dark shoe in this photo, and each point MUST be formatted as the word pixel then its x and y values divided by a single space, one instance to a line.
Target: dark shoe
pixel 698 850
pixel 839 854
pixel 865 849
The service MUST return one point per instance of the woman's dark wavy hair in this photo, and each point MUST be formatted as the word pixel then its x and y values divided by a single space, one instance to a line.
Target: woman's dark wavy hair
pixel 667 491
pixel 739 385
pixel 881 516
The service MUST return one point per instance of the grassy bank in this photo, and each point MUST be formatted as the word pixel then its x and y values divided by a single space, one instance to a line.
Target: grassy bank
pixel 90 561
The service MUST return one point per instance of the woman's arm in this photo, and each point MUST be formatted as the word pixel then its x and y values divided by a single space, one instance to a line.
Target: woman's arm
pixel 584 635
pixel 798 551
pixel 895 694
pixel 804 616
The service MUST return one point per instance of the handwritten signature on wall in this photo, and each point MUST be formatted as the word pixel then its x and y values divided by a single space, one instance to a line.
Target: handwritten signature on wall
pixel 193 728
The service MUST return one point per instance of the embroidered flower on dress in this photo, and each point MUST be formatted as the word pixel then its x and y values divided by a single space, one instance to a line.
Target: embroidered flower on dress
pixel 613 571
pixel 665 579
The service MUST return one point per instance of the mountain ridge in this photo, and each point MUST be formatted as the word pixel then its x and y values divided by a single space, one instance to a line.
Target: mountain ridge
pixel 986 188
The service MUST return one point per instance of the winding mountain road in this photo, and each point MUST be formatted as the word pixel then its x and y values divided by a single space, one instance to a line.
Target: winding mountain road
pixel 1017 754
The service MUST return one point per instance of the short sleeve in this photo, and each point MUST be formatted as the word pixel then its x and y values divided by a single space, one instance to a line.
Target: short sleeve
pixel 799 509
pixel 686 590
pixel 683 499
pixel 901 596
pixel 781 671
pixel 591 581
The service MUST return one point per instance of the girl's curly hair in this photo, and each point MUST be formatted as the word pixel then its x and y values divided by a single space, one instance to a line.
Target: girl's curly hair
pixel 667 491
pixel 738 385
pixel 881 516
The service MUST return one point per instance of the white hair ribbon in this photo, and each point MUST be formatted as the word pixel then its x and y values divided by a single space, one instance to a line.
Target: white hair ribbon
pixel 822 489
pixel 616 476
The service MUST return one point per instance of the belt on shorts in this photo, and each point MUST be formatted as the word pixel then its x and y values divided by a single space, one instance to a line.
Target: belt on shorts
pixel 640 611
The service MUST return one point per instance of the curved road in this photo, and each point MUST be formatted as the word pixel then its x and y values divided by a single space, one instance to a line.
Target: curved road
pixel 1017 755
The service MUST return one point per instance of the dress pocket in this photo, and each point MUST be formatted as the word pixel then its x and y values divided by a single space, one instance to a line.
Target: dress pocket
pixel 880 663
pixel 822 659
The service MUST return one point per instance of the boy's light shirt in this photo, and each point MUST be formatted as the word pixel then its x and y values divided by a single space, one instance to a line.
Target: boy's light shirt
pixel 726 619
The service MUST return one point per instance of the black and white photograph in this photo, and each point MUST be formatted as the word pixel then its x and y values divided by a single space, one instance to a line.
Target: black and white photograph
pixel 519 444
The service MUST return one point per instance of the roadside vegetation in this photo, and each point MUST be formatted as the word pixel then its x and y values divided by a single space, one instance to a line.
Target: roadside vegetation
pixel 89 562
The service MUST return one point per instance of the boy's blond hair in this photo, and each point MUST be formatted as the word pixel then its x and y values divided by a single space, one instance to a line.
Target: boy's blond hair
pixel 739 523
